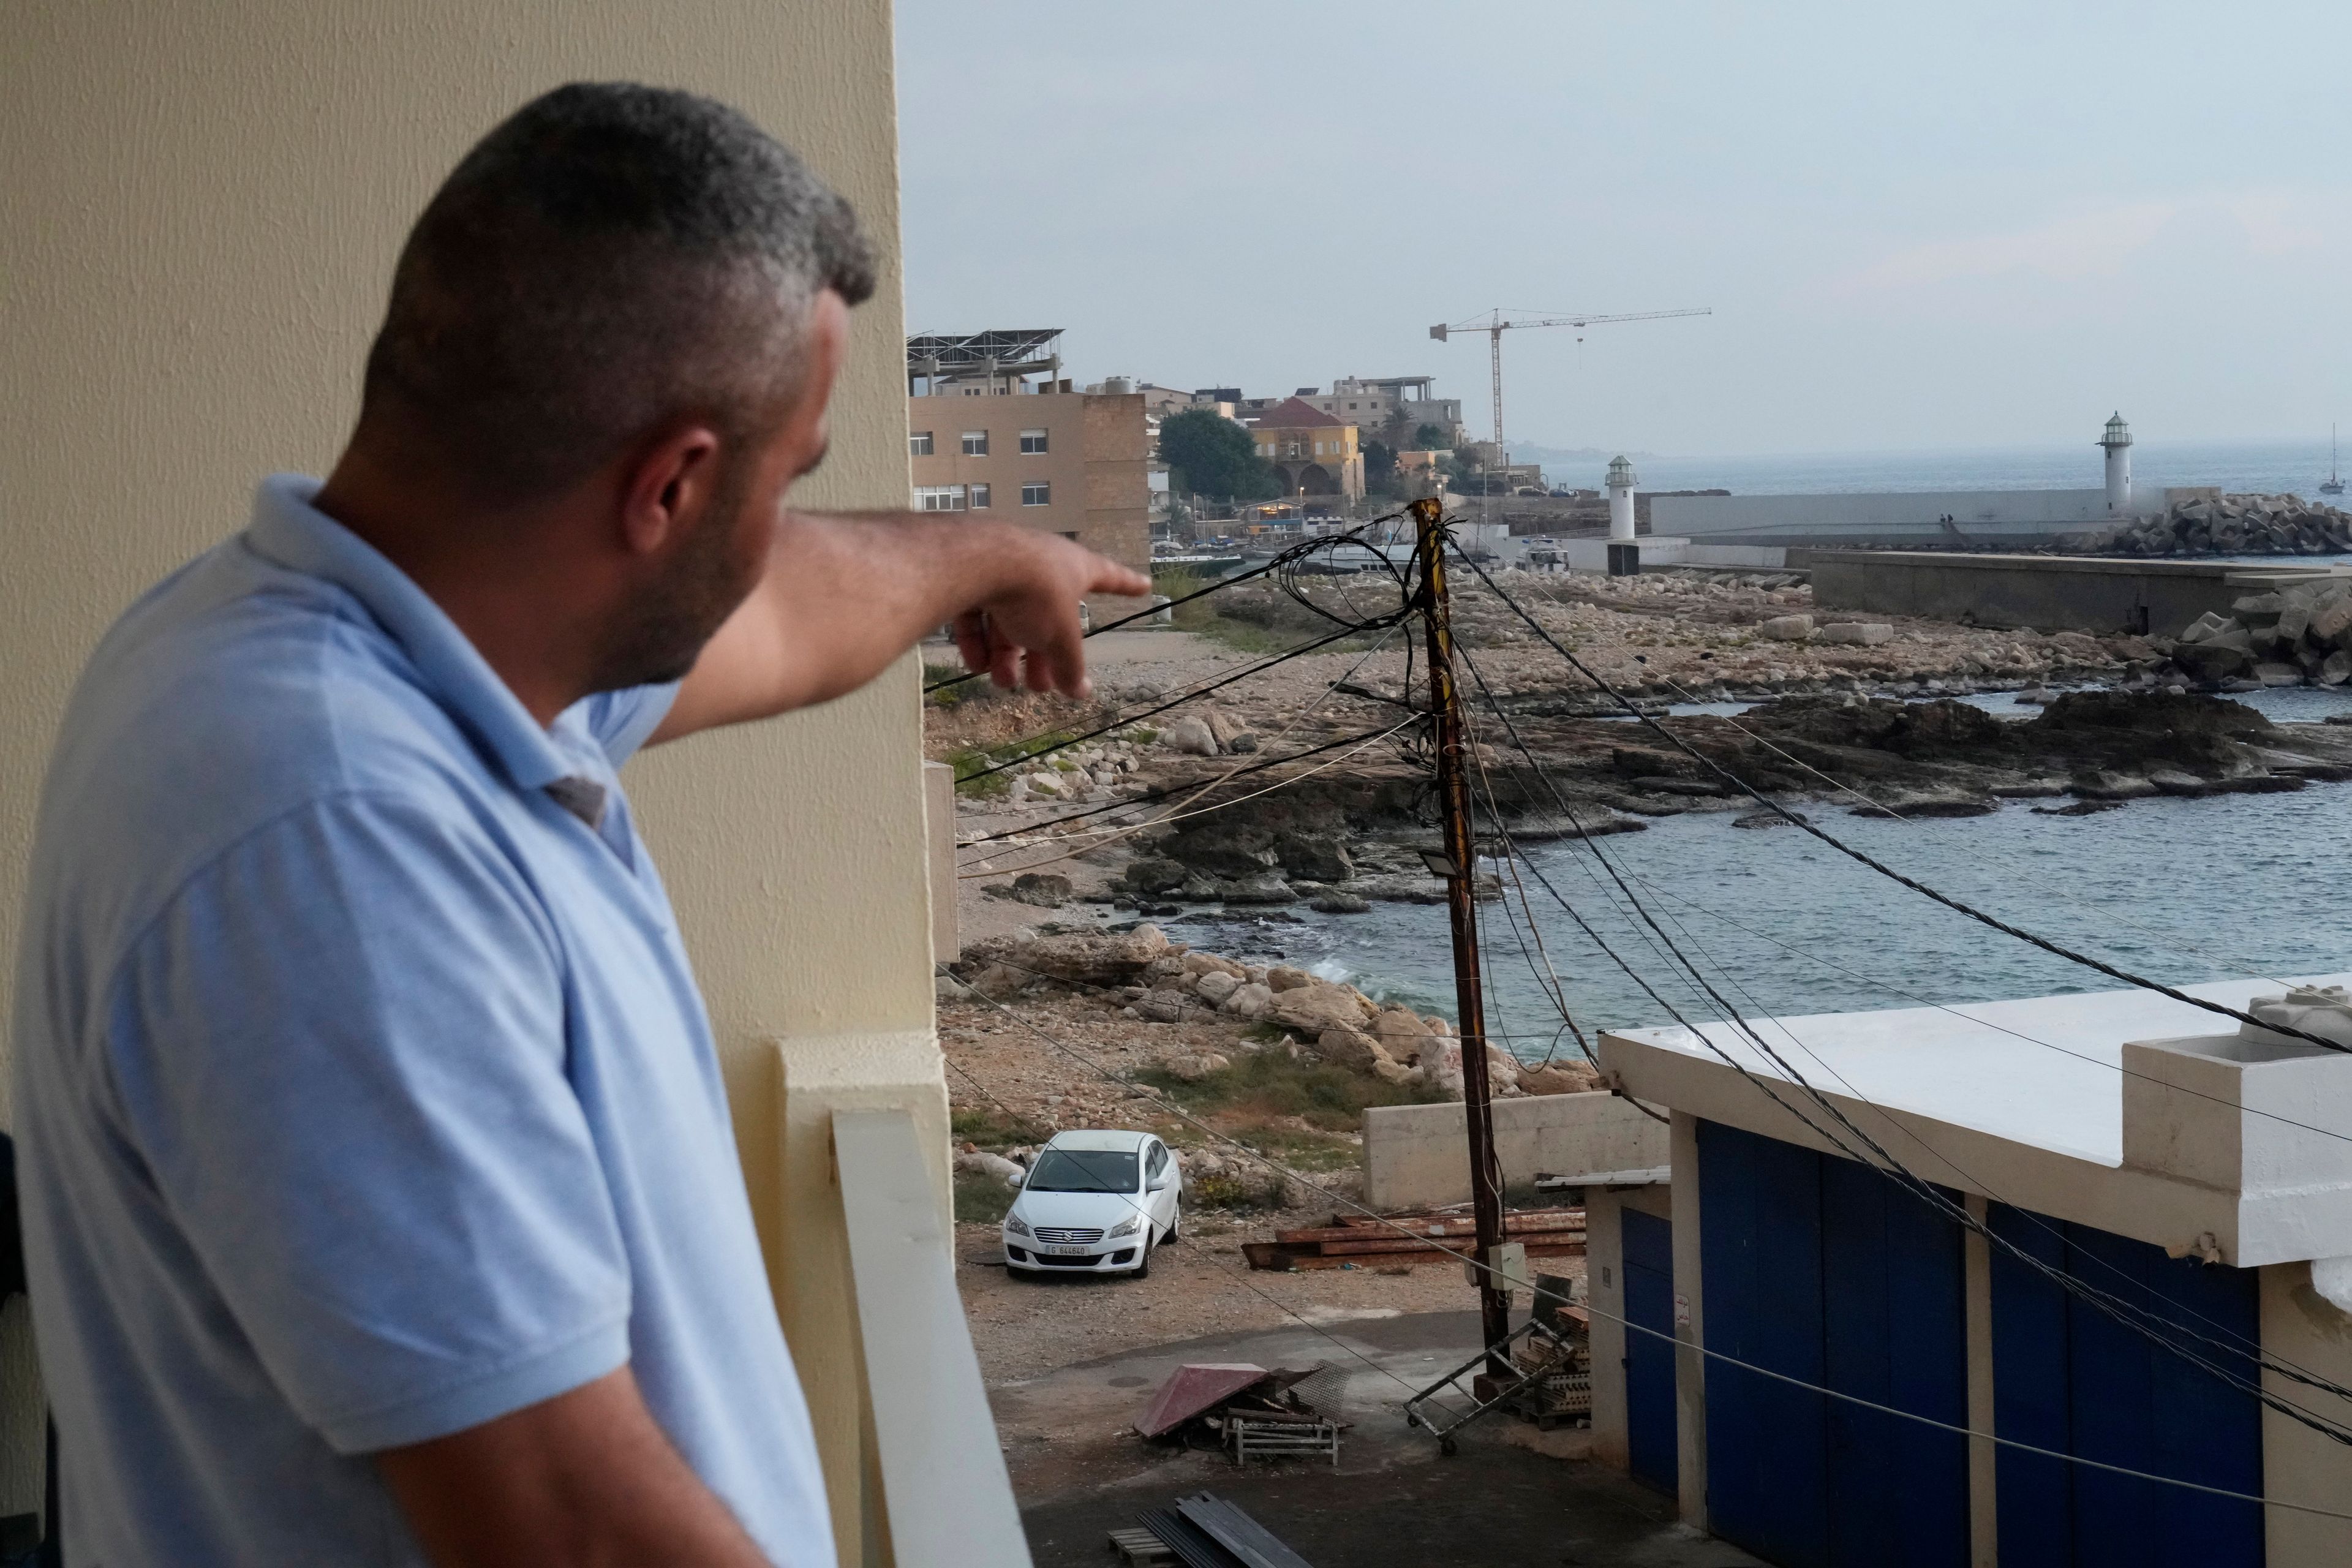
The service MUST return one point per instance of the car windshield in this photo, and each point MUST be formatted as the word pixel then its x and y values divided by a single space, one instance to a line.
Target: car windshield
pixel 1084 1171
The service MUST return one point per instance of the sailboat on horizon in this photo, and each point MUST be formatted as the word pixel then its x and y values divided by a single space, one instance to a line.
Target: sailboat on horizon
pixel 2334 485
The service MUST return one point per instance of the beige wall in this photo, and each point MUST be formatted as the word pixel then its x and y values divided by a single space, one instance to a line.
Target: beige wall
pixel 198 220
pixel 1420 1154
pixel 1094 460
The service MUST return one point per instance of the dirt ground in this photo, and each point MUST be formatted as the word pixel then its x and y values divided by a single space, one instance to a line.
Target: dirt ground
pixel 1509 1499
pixel 1201 1285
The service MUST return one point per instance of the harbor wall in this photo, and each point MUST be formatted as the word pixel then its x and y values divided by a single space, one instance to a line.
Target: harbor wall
pixel 2155 598
pixel 2005 517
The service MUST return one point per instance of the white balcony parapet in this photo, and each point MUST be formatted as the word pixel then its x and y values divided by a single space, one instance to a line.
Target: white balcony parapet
pixel 946 1495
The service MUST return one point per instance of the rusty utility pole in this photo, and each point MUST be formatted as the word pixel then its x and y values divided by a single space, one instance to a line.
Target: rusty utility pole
pixel 1461 868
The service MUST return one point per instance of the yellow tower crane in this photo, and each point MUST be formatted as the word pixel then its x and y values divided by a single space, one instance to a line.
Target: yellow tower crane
pixel 1494 324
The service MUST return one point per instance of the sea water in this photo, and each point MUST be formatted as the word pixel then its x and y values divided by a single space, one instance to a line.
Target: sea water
pixel 1776 922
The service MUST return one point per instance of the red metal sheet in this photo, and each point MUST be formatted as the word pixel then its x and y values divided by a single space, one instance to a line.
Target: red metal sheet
pixel 1193 1388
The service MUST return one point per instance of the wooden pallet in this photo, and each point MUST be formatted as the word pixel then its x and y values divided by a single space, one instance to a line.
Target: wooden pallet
pixel 1140 1546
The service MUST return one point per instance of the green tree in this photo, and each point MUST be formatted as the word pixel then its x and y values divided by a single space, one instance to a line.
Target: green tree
pixel 1429 438
pixel 1211 455
pixel 1380 475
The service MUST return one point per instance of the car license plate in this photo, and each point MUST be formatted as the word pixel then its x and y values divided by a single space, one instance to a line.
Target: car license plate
pixel 1065 1251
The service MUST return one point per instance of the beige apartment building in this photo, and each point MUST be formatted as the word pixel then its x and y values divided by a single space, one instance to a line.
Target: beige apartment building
pixel 1072 463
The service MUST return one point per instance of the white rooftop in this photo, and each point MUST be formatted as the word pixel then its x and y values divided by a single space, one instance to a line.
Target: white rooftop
pixel 2024 1102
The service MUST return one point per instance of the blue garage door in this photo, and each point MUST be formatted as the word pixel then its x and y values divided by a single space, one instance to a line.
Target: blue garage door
pixel 2068 1378
pixel 1823 1271
pixel 1647 1255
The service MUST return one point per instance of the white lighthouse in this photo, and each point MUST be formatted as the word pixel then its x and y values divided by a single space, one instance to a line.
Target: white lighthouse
pixel 1622 480
pixel 2117 444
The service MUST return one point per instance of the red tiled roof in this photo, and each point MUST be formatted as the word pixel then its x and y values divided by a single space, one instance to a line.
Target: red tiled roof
pixel 1294 414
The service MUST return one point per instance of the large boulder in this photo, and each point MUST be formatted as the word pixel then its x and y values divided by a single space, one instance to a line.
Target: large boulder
pixel 1314 857
pixel 1351 1048
pixel 1786 628
pixel 1046 890
pixel 1222 850
pixel 1190 734
pixel 995 1167
pixel 1560 1078
pixel 1214 987
pixel 1441 1067
pixel 1196 1065
pixel 1400 1030
pixel 1079 958
pixel 1266 887
pixel 1250 1000
pixel 1312 1008
pixel 1863 634
pixel 1284 977
pixel 2334 669
pixel 1154 874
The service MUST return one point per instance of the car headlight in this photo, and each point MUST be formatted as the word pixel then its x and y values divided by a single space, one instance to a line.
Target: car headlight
pixel 1013 1222
pixel 1126 1227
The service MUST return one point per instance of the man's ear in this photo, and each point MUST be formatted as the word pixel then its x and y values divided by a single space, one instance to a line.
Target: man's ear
pixel 667 488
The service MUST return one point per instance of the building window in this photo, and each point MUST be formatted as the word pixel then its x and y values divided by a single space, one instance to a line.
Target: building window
pixel 975 443
pixel 939 498
pixel 1037 492
pixel 979 501
pixel 918 444
pixel 1032 442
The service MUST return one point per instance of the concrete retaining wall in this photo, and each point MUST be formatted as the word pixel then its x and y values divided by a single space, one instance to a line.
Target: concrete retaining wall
pixel 2049 593
pixel 1978 517
pixel 1420 1154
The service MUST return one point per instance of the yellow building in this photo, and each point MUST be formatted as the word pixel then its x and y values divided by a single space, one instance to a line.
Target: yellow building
pixel 1316 454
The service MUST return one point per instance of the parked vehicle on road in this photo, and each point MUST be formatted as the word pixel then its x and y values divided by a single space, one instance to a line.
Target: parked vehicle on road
pixel 1098 1201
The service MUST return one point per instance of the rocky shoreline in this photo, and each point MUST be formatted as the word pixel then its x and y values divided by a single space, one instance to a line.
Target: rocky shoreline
pixel 1339 842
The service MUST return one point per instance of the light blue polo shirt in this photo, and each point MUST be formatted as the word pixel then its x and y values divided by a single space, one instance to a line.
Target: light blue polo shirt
pixel 363 1091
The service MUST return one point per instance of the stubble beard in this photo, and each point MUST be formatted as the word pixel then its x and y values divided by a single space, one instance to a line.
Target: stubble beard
pixel 667 627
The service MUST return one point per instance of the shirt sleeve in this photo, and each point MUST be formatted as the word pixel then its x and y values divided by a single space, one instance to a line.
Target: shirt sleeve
pixel 342 1053
pixel 621 721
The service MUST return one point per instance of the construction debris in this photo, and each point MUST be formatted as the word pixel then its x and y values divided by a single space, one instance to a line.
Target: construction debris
pixel 1206 1532
pixel 1361 1241
pixel 1246 1409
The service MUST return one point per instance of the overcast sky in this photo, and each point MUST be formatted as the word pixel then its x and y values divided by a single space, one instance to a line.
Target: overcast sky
pixel 1962 226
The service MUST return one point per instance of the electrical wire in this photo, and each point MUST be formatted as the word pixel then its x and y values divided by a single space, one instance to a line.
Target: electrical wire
pixel 1888 1165
pixel 1113 835
pixel 1799 821
pixel 1282 567
pixel 1476 1263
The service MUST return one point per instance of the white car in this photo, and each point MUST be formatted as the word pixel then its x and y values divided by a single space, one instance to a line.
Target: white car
pixel 1095 1201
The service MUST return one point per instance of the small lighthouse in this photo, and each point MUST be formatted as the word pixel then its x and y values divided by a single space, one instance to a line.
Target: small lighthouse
pixel 2116 443
pixel 1622 480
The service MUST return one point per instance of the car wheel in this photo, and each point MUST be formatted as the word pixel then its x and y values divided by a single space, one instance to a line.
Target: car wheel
pixel 1143 1264
pixel 1175 1223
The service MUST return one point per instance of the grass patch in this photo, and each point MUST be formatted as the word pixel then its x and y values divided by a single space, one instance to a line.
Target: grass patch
pixel 990 1127
pixel 980 1200
pixel 1252 1191
pixel 971 761
pixel 1265 1086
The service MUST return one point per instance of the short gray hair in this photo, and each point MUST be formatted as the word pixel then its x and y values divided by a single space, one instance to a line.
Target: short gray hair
pixel 611 257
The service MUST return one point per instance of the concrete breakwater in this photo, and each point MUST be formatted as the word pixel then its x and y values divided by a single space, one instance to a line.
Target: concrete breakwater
pixel 2229 525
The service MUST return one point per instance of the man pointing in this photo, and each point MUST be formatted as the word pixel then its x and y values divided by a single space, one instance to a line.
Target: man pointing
pixel 380 1199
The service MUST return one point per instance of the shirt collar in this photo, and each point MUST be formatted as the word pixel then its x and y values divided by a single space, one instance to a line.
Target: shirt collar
pixel 287 529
